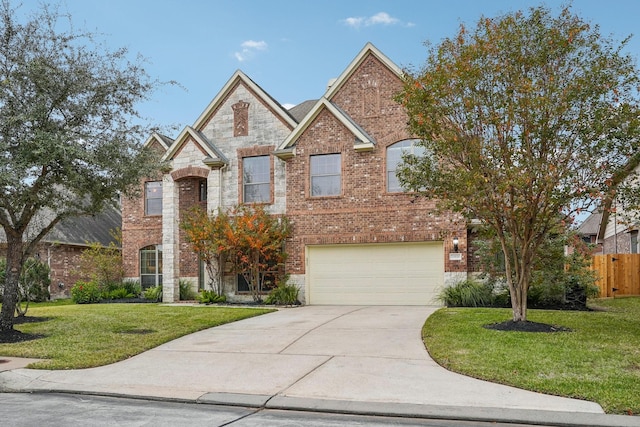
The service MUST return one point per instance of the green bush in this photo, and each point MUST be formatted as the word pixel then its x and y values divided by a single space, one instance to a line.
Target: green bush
pixel 186 291
pixel 210 297
pixel 86 293
pixel 468 293
pixel 154 293
pixel 34 280
pixel 283 294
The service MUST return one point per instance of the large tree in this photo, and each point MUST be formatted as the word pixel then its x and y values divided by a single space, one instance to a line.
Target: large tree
pixel 70 133
pixel 527 119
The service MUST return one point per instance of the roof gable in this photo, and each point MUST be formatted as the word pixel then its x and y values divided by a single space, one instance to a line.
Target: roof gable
pixel 369 49
pixel 213 156
pixel 236 78
pixel 158 140
pixel 363 141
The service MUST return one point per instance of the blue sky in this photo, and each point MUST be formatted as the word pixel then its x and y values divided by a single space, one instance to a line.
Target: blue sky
pixel 291 48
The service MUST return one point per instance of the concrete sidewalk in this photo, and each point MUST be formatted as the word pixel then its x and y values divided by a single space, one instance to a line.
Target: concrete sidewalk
pixel 368 360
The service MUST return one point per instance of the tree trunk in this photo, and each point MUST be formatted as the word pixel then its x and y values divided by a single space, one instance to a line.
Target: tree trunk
pixel 12 276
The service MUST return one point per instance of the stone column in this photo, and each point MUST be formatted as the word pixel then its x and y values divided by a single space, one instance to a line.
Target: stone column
pixel 170 230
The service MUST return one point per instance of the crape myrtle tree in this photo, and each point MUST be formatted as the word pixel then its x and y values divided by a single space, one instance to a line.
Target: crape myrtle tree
pixel 245 238
pixel 527 119
pixel 70 138
pixel 255 244
pixel 207 236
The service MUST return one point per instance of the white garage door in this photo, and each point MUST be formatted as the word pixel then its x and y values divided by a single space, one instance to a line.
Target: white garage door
pixel 375 274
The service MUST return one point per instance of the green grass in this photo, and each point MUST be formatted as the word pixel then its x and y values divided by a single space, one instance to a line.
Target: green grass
pixel 598 361
pixel 88 335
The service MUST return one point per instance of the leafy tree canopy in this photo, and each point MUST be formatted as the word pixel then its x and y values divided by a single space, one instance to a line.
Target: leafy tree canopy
pixel 528 119
pixel 70 135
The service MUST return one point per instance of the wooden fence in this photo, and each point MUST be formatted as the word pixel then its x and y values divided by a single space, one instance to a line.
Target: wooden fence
pixel 618 274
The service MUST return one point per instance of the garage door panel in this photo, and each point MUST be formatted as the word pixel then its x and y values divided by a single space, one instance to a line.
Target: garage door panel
pixel 385 274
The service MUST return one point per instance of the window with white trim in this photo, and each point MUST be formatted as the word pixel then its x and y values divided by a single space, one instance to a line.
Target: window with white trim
pixel 153 198
pixel 256 179
pixel 394 160
pixel 326 175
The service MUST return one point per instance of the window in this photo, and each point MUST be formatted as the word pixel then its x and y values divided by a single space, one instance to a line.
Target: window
pixel 202 196
pixel 153 198
pixel 634 241
pixel 151 266
pixel 326 175
pixel 268 279
pixel 394 159
pixel 256 179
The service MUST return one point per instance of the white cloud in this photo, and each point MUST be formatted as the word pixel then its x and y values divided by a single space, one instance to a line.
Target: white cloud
pixel 288 106
pixel 380 18
pixel 249 48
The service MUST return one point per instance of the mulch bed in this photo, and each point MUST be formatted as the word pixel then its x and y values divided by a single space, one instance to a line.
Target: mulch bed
pixel 14 336
pixel 527 326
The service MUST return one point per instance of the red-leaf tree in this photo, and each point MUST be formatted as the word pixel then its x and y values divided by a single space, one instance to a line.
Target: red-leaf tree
pixel 527 119
pixel 207 236
pixel 247 239
pixel 255 244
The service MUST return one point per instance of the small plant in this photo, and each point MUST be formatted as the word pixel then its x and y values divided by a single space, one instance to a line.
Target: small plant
pixel 120 293
pixel 86 293
pixel 210 297
pixel 186 291
pixel 468 293
pixel 154 293
pixel 283 294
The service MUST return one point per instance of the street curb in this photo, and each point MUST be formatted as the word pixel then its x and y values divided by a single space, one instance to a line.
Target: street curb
pixel 462 413
pixel 386 409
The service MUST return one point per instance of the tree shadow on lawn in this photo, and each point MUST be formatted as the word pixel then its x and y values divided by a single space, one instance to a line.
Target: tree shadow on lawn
pixel 526 326
pixel 14 336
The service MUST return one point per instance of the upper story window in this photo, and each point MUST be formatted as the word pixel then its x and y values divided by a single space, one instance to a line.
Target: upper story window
pixel 394 159
pixel 256 179
pixel 326 175
pixel 153 198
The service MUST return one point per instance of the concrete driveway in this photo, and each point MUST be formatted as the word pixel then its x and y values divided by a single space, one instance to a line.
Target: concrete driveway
pixel 313 357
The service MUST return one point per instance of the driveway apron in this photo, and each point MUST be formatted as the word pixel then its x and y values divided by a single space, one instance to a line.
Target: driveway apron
pixel 335 353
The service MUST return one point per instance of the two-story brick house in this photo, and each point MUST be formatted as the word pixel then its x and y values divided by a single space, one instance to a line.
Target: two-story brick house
pixel 329 165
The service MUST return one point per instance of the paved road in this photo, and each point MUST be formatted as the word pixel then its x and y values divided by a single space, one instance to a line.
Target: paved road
pixel 66 410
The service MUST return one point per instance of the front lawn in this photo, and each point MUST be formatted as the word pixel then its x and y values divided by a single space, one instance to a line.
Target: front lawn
pixel 599 360
pixel 88 335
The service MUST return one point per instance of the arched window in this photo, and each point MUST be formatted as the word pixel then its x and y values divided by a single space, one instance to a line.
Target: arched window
pixel 151 266
pixel 394 159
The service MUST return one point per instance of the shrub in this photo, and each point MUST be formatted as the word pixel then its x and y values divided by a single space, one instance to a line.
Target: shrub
pixel 154 293
pixel 34 280
pixel 86 293
pixel 186 291
pixel 283 294
pixel 468 293
pixel 210 297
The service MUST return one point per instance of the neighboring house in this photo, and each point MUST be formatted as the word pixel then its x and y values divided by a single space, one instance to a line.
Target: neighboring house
pixel 617 229
pixel 62 247
pixel 329 165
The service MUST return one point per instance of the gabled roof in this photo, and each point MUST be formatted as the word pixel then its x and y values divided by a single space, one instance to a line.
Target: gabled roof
pixel 237 77
pixel 83 230
pixel 214 156
pixel 299 111
pixel 164 141
pixel 369 49
pixel 363 141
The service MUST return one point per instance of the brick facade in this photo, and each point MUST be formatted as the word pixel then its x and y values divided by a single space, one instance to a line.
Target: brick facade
pixel 244 121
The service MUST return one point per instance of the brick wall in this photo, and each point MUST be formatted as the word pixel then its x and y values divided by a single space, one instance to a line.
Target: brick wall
pixel 189 194
pixel 138 231
pixel 365 212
